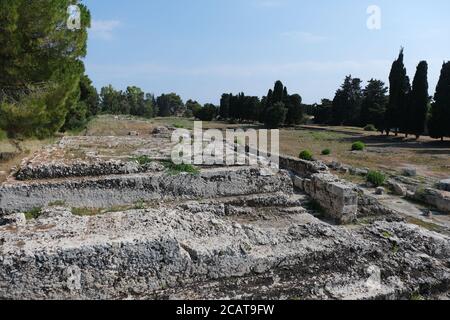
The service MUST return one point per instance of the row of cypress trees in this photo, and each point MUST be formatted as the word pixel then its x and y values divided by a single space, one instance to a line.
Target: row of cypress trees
pixel 276 109
pixel 410 109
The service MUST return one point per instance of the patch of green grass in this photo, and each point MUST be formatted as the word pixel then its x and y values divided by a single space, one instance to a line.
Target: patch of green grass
pixel 90 212
pixel 426 225
pixel 326 152
pixel 387 234
pixel 306 155
pixel 376 178
pixel 33 213
pixel 416 296
pixel 358 146
pixel 142 160
pixel 175 169
pixel 139 205
pixel 395 249
pixel 58 203
pixel 86 212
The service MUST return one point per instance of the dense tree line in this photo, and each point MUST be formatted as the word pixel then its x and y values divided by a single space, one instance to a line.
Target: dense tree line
pixel 276 109
pixel 403 108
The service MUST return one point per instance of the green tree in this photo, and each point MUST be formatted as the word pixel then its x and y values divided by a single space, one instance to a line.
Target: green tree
pixel 398 91
pixel 207 113
pixel 38 50
pixel 279 92
pixel 110 100
pixel 323 112
pixel 419 99
pixel 224 110
pixel 275 115
pixel 170 105
pixel 439 124
pixel 192 107
pixel 374 104
pixel 295 110
pixel 347 103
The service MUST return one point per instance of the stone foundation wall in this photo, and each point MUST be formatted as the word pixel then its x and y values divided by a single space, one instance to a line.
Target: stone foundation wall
pixel 83 169
pixel 111 191
pixel 337 197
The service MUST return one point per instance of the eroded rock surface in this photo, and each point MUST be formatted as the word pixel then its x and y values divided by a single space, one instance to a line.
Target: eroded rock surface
pixel 171 252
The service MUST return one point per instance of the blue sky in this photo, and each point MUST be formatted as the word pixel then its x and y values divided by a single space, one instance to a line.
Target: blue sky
pixel 203 48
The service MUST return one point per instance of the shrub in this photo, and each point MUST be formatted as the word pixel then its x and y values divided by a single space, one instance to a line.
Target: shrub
pixel 306 155
pixel 33 213
pixel 175 169
pixel 326 152
pixel 142 160
pixel 376 178
pixel 370 128
pixel 358 146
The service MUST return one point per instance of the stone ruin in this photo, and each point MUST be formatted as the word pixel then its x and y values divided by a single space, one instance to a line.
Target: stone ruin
pixel 237 232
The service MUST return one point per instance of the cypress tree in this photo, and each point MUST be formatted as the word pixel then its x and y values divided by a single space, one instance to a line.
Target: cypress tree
pixel 419 101
pixel 397 95
pixel 278 92
pixel 439 124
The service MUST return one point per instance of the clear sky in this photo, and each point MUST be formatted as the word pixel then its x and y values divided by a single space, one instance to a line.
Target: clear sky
pixel 203 48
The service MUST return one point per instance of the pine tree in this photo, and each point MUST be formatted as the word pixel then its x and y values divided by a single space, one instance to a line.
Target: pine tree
pixel 275 115
pixel 39 55
pixel 347 103
pixel 417 114
pixel 374 104
pixel 397 95
pixel 439 124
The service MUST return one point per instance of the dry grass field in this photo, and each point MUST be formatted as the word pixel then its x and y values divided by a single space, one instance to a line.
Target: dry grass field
pixel 429 157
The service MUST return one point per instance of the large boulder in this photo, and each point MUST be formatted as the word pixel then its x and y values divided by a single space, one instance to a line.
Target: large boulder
pixel 437 198
pixel 397 188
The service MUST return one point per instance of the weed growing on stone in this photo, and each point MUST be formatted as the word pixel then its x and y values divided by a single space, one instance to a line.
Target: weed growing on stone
pixel 175 169
pixel 142 160
pixel 58 203
pixel 33 213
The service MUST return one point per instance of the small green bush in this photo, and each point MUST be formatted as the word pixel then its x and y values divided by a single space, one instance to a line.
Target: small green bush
pixel 33 213
pixel 358 146
pixel 142 160
pixel 306 155
pixel 326 152
pixel 175 169
pixel 370 128
pixel 376 178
